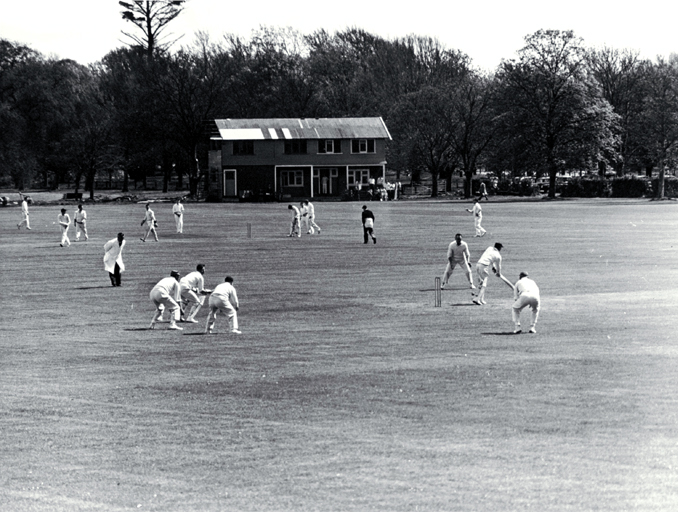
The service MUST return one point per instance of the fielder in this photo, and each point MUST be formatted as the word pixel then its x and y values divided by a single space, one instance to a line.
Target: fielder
pixel 65 222
pixel 165 294
pixel 192 289
pixel 368 225
pixel 525 293
pixel 25 221
pixel 303 212
pixel 295 227
pixel 457 254
pixel 80 221
pixel 477 212
pixel 490 259
pixel 149 220
pixel 225 299
pixel 310 223
pixel 178 211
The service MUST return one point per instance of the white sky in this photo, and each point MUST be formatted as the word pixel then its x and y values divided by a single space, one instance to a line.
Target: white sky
pixel 487 31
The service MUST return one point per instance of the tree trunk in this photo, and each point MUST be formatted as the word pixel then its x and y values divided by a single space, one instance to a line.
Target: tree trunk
pixel 125 181
pixel 660 181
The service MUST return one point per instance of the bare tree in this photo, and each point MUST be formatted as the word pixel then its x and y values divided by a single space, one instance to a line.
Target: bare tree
pixel 151 16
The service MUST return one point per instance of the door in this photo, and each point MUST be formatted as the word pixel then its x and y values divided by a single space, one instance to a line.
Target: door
pixel 230 183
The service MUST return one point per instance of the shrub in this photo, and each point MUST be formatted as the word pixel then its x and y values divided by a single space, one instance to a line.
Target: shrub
pixel 630 186
pixel 670 187
pixel 582 187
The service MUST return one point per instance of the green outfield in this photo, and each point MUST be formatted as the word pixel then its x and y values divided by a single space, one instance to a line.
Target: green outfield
pixel 348 390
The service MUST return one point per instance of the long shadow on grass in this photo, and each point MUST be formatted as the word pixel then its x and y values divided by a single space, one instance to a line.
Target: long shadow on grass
pixel 93 287
pixel 510 333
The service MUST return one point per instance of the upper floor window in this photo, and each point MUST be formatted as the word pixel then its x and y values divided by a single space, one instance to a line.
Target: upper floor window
pixel 329 146
pixel 362 146
pixel 295 147
pixel 243 147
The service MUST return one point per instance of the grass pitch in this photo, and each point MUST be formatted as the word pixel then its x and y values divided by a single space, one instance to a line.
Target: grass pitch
pixel 348 390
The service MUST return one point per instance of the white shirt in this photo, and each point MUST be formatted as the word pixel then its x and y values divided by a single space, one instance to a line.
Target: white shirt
pixel 149 216
pixel 178 208
pixel 192 280
pixel 526 286
pixel 24 207
pixel 170 286
pixel 492 257
pixel 296 211
pixel 477 210
pixel 457 251
pixel 311 209
pixel 227 293
pixel 80 216
pixel 64 220
pixel 304 211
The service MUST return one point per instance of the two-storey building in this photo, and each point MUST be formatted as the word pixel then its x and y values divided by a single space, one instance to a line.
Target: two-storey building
pixel 296 157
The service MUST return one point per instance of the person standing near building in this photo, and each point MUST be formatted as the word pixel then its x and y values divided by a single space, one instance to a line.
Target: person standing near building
pixel 477 212
pixel 525 293
pixel 295 227
pixel 178 211
pixel 312 226
pixel 151 223
pixel 368 225
pixel 65 222
pixel 113 263
pixel 192 289
pixel 491 259
pixel 165 295
pixel 80 221
pixel 224 298
pixel 457 254
pixel 25 220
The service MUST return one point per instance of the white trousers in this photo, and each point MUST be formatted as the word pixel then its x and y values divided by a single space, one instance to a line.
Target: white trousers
pixel 179 220
pixel 522 302
pixel 25 221
pixel 64 236
pixel 227 308
pixel 312 226
pixel 480 231
pixel 450 267
pixel 81 227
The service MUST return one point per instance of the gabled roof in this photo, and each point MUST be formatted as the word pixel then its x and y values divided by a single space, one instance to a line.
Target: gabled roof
pixel 302 128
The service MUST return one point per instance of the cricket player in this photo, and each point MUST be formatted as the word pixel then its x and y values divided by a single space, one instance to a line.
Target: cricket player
pixel 295 226
pixel 25 221
pixel 80 221
pixel 178 211
pixel 477 212
pixel 368 225
pixel 303 212
pixel 65 222
pixel 151 223
pixel 525 293
pixel 491 259
pixel 312 226
pixel 457 254
pixel 225 299
pixel 192 289
pixel 165 294
pixel 113 263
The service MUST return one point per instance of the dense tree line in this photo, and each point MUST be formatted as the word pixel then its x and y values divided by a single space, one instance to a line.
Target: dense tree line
pixel 559 106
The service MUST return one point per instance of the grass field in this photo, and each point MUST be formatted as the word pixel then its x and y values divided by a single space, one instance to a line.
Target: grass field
pixel 348 390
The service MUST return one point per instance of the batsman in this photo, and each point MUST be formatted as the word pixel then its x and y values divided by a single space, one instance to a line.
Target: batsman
pixel 491 259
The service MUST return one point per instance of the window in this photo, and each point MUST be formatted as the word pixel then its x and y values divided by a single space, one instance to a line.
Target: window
pixel 243 147
pixel 358 176
pixel 329 146
pixel 362 146
pixel 295 147
pixel 292 178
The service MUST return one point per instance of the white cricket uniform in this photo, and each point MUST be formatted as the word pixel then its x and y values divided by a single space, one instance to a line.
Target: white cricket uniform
pixel 113 254
pixel 526 293
pixel 477 212
pixel 295 227
pixel 149 220
pixel 224 298
pixel 188 286
pixel 80 221
pixel 25 221
pixel 303 212
pixel 457 255
pixel 178 211
pixel 490 258
pixel 165 294
pixel 64 222
pixel 312 226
